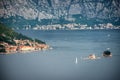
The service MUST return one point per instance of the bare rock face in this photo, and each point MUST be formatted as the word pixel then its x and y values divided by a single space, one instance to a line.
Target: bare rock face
pixel 98 10
pixel 107 53
pixel 31 9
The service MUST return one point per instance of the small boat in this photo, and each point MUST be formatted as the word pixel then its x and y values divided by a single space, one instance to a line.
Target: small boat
pixel 92 56
pixel 107 53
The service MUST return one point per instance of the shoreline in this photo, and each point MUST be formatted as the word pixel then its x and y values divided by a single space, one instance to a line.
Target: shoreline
pixel 22 52
pixel 21 46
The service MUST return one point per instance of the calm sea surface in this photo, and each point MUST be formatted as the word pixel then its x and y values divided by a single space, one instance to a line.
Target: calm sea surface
pixel 59 63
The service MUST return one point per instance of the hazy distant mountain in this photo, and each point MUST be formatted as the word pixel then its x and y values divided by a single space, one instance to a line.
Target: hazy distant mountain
pixel 32 12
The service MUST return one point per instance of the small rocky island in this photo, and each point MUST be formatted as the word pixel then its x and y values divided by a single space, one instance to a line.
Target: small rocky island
pixel 11 41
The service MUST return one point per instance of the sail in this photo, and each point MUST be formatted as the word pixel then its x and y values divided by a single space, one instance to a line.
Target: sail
pixel 76 60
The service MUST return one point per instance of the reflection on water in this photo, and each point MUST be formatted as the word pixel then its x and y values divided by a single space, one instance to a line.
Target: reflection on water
pixel 68 59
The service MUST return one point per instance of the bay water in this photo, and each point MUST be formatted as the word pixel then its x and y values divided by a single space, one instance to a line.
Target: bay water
pixel 59 62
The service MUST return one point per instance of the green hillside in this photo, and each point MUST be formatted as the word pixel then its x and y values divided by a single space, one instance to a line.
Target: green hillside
pixel 8 35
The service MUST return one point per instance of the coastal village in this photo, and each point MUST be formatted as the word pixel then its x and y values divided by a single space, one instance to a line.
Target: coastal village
pixel 22 45
pixel 70 26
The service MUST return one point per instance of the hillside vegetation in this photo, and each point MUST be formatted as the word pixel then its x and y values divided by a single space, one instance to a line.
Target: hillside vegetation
pixel 11 41
pixel 8 35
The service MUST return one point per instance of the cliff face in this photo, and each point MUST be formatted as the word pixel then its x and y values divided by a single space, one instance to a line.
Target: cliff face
pixel 38 10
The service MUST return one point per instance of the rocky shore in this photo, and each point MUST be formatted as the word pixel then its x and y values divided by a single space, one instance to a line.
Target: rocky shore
pixel 12 42
pixel 21 45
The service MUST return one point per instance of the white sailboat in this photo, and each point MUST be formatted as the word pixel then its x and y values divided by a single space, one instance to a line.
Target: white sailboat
pixel 76 60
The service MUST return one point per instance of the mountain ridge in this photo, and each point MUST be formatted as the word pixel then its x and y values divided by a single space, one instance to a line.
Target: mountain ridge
pixel 54 11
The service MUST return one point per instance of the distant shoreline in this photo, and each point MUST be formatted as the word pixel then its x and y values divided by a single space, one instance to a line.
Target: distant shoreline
pixel 65 29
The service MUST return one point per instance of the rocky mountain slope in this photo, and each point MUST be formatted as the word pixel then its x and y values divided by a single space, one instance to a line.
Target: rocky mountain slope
pixel 32 12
